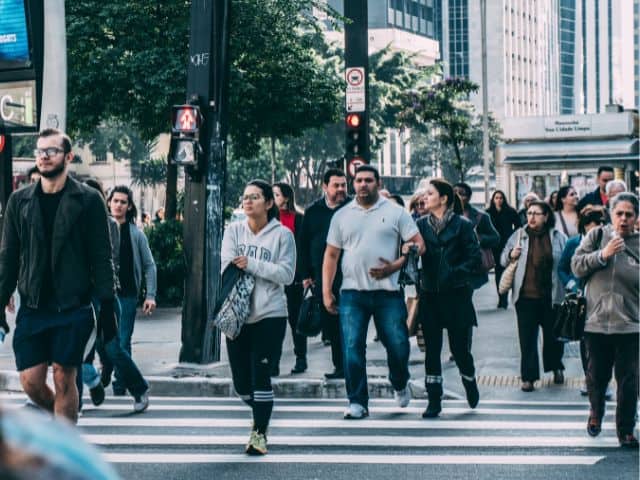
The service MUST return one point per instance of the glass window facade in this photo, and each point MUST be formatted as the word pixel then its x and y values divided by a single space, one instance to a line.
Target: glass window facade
pixel 458 38
pixel 567 35
pixel 416 16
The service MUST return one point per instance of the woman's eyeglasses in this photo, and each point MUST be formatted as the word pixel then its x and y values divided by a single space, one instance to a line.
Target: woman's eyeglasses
pixel 253 197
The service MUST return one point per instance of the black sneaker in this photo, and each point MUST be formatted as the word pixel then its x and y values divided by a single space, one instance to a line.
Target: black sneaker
pixel 97 394
pixel 300 366
pixel 336 374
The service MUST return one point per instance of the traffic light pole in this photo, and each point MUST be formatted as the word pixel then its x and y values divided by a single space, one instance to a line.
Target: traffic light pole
pixel 204 191
pixel 356 43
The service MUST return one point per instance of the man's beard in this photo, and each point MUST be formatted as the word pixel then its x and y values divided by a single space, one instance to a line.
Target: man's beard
pixel 56 172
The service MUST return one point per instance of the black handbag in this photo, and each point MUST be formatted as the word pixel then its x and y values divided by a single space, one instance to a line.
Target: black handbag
pixel 570 318
pixel 310 318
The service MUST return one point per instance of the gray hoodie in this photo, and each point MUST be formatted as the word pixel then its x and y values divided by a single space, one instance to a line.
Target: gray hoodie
pixel 612 286
pixel 272 261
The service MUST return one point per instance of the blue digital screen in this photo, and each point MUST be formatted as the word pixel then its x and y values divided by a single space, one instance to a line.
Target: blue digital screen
pixel 14 37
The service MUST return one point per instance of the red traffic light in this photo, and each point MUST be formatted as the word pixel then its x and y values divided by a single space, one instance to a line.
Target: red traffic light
pixel 186 118
pixel 353 120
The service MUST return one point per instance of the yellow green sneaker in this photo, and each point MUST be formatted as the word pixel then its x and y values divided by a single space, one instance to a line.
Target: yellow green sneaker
pixel 257 444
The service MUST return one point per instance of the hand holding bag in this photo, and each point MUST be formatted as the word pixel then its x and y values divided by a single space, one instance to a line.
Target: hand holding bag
pixel 570 318
pixel 235 306
pixel 310 318
pixel 509 273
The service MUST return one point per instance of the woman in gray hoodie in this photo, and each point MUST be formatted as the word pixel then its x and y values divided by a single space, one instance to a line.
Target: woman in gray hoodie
pixel 261 247
pixel 608 259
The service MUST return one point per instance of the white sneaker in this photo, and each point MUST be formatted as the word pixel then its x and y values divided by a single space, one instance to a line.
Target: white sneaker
pixel 402 397
pixel 355 412
pixel 141 403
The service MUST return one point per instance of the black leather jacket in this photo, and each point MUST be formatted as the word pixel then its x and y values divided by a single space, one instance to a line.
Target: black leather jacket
pixel 451 257
pixel 80 250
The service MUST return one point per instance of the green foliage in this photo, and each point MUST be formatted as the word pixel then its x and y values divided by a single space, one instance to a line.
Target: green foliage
pixel 427 150
pixel 443 107
pixel 165 241
pixel 151 172
pixel 126 60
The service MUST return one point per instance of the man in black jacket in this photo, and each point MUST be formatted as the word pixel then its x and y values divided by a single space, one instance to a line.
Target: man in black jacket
pixel 313 241
pixel 599 195
pixel 56 247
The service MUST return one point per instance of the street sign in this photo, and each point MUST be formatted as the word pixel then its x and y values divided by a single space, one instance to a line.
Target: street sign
pixel 354 163
pixel 355 95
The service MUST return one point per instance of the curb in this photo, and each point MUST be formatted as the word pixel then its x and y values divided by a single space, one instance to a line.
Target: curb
pixel 223 387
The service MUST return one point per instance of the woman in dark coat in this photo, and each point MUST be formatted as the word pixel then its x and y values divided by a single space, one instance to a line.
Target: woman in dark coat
pixel 452 255
pixel 291 218
pixel 505 220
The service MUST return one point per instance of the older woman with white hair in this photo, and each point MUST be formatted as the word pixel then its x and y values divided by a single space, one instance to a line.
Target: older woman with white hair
pixel 608 257
pixel 614 187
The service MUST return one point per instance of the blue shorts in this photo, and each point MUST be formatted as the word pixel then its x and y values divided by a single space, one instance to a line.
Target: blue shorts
pixel 63 342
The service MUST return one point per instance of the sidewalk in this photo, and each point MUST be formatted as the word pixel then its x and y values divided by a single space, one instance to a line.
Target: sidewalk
pixel 156 345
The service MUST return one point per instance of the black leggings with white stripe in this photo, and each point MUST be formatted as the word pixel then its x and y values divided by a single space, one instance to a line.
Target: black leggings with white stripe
pixel 250 355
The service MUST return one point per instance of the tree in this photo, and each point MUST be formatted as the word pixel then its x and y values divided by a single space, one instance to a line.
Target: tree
pixel 443 107
pixel 427 150
pixel 127 60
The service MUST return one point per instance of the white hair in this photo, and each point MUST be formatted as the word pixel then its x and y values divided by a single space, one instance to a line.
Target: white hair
pixel 615 183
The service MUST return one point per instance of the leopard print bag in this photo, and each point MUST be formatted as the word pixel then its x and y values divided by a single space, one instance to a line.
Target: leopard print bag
pixel 236 308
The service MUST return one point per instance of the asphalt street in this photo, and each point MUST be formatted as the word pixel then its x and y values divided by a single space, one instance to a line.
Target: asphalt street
pixel 190 438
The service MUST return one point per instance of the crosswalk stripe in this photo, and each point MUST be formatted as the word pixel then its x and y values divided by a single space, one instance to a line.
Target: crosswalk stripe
pixel 340 401
pixel 336 409
pixel 308 423
pixel 166 458
pixel 359 440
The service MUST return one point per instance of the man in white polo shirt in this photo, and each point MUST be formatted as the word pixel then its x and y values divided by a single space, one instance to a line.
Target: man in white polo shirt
pixel 368 232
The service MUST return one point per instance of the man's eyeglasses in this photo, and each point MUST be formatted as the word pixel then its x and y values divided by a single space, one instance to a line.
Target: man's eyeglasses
pixel 254 197
pixel 47 152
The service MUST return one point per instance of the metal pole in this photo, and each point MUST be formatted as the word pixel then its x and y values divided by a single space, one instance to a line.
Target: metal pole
pixel 204 190
pixel 486 154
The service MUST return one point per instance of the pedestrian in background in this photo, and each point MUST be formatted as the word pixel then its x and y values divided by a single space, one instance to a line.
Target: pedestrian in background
pixel 417 204
pixel 136 266
pixel 599 195
pixel 526 201
pixel 552 200
pixel 614 187
pixel 33 174
pixel 159 216
pixel 488 236
pixel 505 219
pixel 566 211
pixel 536 291
pixel 261 246
pixel 313 242
pixel 608 259
pixel 56 248
pixel 367 233
pixel 450 259
pixel 108 343
pixel 592 216
pixel 290 217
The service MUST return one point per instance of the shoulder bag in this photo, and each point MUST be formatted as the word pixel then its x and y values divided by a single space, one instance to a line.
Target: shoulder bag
pixel 509 274
pixel 488 260
pixel 236 304
pixel 309 318
pixel 571 314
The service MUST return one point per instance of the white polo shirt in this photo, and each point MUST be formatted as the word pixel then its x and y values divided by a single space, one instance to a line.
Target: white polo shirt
pixel 365 236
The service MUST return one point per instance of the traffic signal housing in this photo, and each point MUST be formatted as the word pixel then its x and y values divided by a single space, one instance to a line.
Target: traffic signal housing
pixel 356 137
pixel 186 121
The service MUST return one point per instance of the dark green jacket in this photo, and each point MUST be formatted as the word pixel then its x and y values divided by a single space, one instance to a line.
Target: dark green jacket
pixel 80 250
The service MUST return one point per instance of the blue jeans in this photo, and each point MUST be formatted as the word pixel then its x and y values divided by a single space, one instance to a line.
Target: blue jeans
pixel 390 317
pixel 115 355
pixel 128 308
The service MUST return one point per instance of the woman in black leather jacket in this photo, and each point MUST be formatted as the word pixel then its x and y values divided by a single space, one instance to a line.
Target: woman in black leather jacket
pixel 452 255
